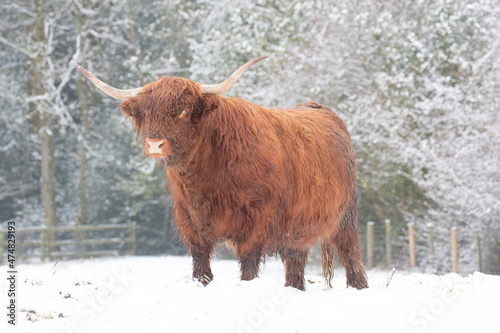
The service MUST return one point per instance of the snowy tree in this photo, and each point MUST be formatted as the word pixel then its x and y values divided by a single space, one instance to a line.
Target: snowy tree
pixel 32 34
pixel 428 108
pixel 416 81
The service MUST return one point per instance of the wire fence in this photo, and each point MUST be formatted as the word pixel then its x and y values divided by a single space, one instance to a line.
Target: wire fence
pixel 382 245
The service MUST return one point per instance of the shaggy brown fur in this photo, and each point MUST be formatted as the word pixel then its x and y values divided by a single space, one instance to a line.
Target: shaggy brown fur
pixel 267 180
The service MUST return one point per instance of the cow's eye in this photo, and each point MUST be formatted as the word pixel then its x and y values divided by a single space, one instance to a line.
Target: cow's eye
pixel 184 113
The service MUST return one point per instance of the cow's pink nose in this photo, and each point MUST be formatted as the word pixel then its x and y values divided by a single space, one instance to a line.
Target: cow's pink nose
pixel 155 147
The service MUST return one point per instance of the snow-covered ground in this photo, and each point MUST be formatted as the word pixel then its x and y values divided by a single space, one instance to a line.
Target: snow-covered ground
pixel 157 294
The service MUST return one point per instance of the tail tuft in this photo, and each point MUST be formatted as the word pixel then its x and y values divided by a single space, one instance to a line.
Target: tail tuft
pixel 327 255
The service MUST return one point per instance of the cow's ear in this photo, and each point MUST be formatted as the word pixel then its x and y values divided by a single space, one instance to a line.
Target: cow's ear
pixel 126 108
pixel 209 103
pixel 129 108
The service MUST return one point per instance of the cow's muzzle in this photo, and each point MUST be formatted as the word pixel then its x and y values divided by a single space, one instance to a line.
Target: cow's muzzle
pixel 156 148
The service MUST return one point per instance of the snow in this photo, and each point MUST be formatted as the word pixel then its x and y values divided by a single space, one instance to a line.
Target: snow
pixel 153 294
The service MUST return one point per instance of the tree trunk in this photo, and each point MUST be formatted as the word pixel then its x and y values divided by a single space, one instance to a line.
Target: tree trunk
pixel 82 218
pixel 41 121
pixel 47 183
pixel 85 129
pixel 133 38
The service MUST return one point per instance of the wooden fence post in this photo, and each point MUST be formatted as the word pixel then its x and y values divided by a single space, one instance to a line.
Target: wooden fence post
pixel 388 243
pixel 430 231
pixel 370 239
pixel 44 244
pixel 411 236
pixel 78 238
pixel 478 253
pixel 454 252
pixel 133 238
pixel 1 247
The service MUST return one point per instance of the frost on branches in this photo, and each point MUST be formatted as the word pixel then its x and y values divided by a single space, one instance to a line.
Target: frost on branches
pixel 416 81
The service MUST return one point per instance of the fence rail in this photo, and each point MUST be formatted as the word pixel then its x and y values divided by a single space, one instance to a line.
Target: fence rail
pixel 80 241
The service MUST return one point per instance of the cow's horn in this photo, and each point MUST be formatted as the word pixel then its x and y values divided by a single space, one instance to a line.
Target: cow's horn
pixel 109 90
pixel 221 88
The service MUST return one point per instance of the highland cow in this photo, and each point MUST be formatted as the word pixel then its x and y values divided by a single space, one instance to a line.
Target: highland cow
pixel 267 180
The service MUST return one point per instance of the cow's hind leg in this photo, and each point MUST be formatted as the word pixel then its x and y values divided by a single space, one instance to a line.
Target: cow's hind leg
pixel 348 248
pixel 350 256
pixel 346 242
pixel 295 263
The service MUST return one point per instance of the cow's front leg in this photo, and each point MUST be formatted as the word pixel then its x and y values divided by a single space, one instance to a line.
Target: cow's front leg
pixel 249 256
pixel 200 249
pixel 201 263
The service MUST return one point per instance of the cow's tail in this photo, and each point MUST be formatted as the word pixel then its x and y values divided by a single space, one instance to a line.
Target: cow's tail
pixel 327 255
